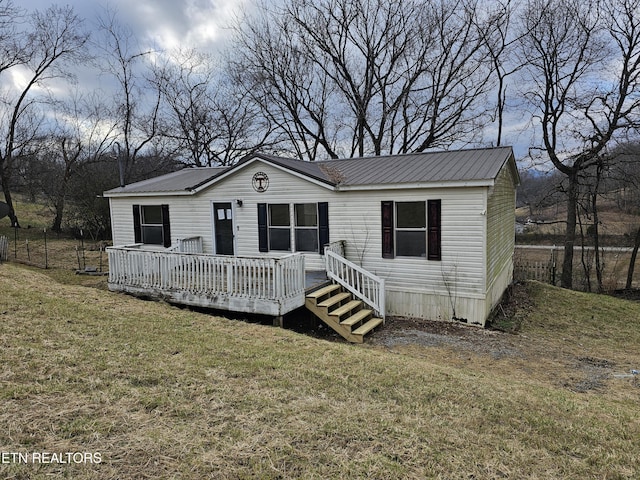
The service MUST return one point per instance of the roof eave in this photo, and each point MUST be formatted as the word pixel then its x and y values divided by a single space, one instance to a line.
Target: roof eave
pixel 112 194
pixel 419 185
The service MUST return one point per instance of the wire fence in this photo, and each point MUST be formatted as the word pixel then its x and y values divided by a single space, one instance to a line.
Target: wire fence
pixel 43 250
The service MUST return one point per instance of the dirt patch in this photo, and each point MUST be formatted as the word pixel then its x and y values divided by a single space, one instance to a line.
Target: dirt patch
pixel 590 374
pixel 497 340
pixel 402 332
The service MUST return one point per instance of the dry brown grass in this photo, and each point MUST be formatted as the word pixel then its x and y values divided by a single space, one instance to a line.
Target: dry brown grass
pixel 163 392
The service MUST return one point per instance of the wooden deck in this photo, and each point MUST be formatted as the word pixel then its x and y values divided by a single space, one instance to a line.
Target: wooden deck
pixel 347 298
pixel 269 286
pixel 314 279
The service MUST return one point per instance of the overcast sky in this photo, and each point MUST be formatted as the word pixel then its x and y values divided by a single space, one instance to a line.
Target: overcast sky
pixel 169 24
pixel 164 23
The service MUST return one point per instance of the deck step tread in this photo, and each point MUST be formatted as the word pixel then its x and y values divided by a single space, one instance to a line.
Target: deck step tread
pixel 323 291
pixel 356 318
pixel 331 301
pixel 367 327
pixel 346 308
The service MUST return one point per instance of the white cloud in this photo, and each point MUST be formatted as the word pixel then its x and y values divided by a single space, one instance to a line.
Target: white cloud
pixel 171 24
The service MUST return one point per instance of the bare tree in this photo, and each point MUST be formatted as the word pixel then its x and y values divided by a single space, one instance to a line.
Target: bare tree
pixel 83 134
pixel 624 174
pixel 356 77
pixel 582 64
pixel 267 59
pixel 500 38
pixel 138 98
pixel 207 119
pixel 51 40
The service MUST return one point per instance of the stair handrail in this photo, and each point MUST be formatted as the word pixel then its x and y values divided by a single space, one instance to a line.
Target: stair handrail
pixel 365 285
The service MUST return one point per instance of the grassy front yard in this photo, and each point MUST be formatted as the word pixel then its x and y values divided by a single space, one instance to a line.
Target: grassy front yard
pixel 162 392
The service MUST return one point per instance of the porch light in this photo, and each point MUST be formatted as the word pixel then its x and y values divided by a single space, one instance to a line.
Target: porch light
pixel 239 202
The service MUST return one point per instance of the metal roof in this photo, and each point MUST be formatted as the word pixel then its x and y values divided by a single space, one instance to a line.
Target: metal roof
pixel 460 165
pixel 471 165
pixel 426 167
pixel 180 181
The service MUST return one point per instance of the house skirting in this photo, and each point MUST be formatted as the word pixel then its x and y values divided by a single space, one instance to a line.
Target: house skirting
pixel 231 303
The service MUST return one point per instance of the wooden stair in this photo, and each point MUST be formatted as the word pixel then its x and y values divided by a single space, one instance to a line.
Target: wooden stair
pixel 342 312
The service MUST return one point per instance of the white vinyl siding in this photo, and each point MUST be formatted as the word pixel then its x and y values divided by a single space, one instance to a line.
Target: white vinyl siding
pixel 416 287
pixel 501 205
pixel 188 218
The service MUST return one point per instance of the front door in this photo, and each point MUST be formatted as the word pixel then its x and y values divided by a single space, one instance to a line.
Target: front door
pixel 223 228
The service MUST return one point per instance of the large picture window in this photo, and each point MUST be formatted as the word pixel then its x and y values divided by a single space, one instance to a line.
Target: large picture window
pixel 309 230
pixel 411 229
pixel 151 224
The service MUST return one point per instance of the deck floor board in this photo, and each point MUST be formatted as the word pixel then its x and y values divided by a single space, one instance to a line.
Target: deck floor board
pixel 314 279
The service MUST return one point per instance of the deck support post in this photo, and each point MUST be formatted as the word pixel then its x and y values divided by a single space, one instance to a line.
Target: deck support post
pixel 278 321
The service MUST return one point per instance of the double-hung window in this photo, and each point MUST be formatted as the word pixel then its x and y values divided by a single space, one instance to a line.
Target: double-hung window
pixel 411 229
pixel 151 224
pixel 279 227
pixel 299 227
pixel 306 227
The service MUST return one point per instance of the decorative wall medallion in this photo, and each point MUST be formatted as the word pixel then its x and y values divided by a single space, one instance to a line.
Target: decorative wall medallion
pixel 260 182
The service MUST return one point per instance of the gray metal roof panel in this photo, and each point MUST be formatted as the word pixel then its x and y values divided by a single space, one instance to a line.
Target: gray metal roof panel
pixel 310 169
pixel 412 168
pixel 445 166
pixel 182 180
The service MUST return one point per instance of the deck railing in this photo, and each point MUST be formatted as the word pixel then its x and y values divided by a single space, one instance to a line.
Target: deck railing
pixel 187 245
pixel 207 275
pixel 363 284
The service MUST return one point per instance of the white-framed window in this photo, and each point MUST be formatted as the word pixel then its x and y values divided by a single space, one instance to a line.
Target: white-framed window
pixel 306 227
pixel 279 227
pixel 411 229
pixel 151 224
pixel 300 227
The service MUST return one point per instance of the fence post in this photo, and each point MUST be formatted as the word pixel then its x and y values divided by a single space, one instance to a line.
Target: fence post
pixel 84 260
pixel 46 255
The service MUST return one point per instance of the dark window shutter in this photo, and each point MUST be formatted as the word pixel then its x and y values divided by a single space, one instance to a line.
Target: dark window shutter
pixel 166 228
pixel 137 229
pixel 387 229
pixel 434 230
pixel 263 235
pixel 323 224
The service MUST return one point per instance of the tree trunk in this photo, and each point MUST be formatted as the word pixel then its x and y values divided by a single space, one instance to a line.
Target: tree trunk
pixel 9 201
pixel 632 262
pixel 57 221
pixel 61 196
pixel 596 229
pixel 566 280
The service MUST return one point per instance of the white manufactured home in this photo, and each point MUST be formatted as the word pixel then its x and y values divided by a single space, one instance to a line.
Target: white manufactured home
pixel 425 235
